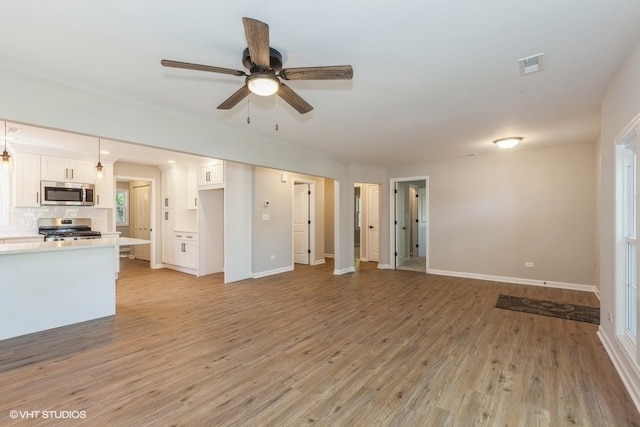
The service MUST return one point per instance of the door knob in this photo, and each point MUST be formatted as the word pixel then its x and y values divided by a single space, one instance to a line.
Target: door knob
pixel 371 226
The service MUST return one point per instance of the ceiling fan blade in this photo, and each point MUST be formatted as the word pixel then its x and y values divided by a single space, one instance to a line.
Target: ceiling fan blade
pixel 293 99
pixel 233 100
pixel 198 67
pixel 332 72
pixel 257 34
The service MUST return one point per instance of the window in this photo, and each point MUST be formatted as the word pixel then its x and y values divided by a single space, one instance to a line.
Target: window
pixel 122 207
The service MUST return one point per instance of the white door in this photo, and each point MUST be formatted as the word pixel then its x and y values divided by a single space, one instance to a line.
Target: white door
pixel 401 223
pixel 422 222
pixel 373 226
pixel 142 227
pixel 301 200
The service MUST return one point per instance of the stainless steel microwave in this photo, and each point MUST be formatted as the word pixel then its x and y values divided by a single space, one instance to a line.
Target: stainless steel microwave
pixel 67 193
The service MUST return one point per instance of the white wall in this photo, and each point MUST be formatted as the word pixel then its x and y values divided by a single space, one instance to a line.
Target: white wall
pixel 32 100
pixel 619 106
pixel 490 214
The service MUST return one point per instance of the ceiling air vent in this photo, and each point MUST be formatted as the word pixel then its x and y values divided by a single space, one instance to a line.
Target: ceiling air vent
pixel 530 64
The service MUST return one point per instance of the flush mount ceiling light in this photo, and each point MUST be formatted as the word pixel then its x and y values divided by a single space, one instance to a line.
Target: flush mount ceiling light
pixel 6 158
pixel 263 83
pixel 509 142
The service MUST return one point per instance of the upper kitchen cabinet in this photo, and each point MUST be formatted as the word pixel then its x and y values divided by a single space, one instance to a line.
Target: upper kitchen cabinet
pixel 174 185
pixel 26 182
pixel 63 170
pixel 211 175
pixel 105 192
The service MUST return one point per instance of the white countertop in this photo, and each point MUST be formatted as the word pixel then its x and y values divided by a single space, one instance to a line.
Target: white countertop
pixel 17 248
pixel 22 236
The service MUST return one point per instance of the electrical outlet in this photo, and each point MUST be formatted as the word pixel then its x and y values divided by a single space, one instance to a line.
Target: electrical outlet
pixel 528 264
pixel 273 257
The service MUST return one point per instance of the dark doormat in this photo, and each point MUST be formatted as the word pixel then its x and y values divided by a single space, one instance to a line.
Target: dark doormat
pixel 580 313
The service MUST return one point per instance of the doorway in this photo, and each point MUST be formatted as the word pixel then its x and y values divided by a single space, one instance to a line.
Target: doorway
pixel 139 214
pixel 367 222
pixel 410 224
pixel 304 227
pixel 141 218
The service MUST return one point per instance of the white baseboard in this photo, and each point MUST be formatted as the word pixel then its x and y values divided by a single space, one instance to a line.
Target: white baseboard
pixel 517 280
pixel 272 272
pixel 326 255
pixel 386 267
pixel 319 262
pixel 338 272
pixel 626 368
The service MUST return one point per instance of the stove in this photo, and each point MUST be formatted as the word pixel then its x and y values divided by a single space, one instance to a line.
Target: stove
pixel 56 229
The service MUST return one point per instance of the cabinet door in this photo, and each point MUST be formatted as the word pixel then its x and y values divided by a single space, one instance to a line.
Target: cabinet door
pixel 82 171
pixel 105 193
pixel 168 253
pixel 185 253
pixel 192 189
pixel 26 191
pixel 55 169
pixel 211 174
pixel 167 189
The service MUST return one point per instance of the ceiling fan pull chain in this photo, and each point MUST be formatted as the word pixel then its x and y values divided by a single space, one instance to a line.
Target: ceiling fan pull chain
pixel 248 118
pixel 277 112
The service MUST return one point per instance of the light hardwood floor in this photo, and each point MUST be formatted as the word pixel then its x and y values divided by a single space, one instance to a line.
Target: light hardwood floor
pixel 377 347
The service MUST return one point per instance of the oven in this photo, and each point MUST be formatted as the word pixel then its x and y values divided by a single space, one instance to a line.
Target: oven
pixel 60 229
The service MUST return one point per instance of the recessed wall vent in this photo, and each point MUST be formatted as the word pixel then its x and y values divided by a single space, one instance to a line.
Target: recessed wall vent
pixel 531 64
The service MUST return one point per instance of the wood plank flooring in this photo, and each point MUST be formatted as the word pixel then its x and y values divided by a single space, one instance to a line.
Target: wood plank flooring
pixel 373 348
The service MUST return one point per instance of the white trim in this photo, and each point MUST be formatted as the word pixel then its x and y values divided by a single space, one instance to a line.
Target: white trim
pixel 272 272
pixel 318 262
pixel 627 129
pixel 385 266
pixel 326 255
pixel 181 269
pixel 517 280
pixel 344 271
pixel 626 368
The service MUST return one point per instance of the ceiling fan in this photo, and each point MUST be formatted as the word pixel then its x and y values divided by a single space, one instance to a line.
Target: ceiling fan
pixel 265 70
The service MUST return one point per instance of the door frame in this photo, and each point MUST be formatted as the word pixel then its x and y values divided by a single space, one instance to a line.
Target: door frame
pixel 152 213
pixel 392 217
pixel 312 218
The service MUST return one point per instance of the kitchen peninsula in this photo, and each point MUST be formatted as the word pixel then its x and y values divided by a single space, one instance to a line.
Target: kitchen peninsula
pixel 51 284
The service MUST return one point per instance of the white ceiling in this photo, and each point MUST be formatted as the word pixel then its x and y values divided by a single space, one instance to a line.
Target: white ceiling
pixel 432 78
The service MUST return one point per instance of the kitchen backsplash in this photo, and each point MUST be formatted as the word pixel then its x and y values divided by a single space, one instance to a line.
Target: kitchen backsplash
pixel 25 220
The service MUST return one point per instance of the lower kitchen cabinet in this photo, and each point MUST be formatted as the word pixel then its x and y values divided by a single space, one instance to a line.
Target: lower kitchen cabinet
pixel 186 250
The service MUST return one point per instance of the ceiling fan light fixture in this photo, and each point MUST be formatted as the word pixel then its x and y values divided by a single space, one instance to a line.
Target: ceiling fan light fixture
pixel 263 84
pixel 506 143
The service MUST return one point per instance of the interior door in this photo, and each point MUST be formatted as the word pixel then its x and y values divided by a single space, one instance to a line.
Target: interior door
pixel 142 214
pixel 401 222
pixel 301 219
pixel 373 227
pixel 422 222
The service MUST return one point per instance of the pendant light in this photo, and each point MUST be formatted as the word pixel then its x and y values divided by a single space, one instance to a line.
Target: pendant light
pixel 99 167
pixel 5 155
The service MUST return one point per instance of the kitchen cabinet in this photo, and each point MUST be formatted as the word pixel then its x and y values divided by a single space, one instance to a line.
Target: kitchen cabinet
pixel 104 189
pixel 211 174
pixel 26 182
pixel 173 189
pixel 186 247
pixel 192 189
pixel 67 170
pixel 168 250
